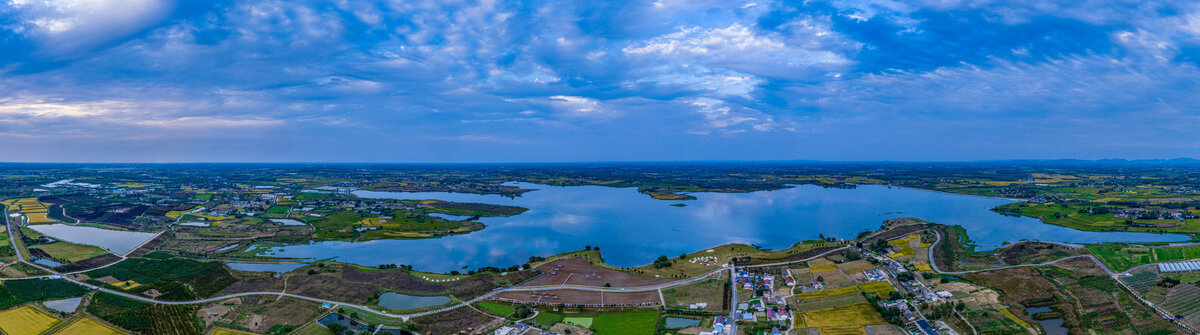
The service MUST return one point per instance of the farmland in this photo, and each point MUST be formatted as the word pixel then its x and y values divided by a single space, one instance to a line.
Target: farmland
pixel 1122 257
pixel 87 326
pixel 145 317
pixel 26 320
pixel 861 314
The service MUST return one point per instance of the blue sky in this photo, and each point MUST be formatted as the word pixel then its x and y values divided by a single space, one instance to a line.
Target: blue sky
pixel 489 81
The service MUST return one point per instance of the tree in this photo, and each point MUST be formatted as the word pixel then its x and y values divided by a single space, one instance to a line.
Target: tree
pixel 607 285
pixel 523 311
pixel 587 247
pixel 682 256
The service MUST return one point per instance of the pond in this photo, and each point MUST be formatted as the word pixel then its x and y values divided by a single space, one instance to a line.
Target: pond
pixel 265 267
pixel 115 241
pixel 356 326
pixel 1052 326
pixel 289 222
pixel 47 262
pixel 449 216
pixel 396 301
pixel 632 229
pixel 67 305
pixel 678 323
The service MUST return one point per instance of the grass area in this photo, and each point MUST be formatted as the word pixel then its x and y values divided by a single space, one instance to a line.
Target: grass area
pixel 497 308
pixel 26 320
pixel 825 293
pixel 548 318
pixel 626 323
pixel 87 326
pixel 710 291
pixel 582 321
pixel 860 314
pixel 70 252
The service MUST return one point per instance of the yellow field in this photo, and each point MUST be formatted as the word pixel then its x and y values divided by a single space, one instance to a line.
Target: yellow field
pixel 902 246
pixel 87 326
pixel 26 320
pixel 39 218
pixel 823 268
pixel 880 288
pixel 132 185
pixel 1010 316
pixel 127 285
pixel 843 331
pixel 826 293
pixel 32 208
pixel 860 314
pixel 223 331
pixel 923 267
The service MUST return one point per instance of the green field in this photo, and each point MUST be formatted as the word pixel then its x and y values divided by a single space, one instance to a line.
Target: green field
pixel 582 321
pixel 70 252
pixel 1121 257
pixel 497 308
pixel 626 323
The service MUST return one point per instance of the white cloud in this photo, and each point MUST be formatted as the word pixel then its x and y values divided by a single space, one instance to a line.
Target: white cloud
pixel 65 27
pixel 739 48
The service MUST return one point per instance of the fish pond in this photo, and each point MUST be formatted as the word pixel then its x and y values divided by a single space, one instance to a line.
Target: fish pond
pixel 632 228
pixel 396 301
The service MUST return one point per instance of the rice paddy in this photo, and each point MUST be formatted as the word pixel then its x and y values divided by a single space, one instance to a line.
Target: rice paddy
pixel 26 320
pixel 33 209
pixel 87 326
pixel 861 314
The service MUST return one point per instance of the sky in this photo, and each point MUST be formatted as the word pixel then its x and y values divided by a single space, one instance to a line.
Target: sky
pixel 553 81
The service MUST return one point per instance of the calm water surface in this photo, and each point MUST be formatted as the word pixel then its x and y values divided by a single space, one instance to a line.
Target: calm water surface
pixel 265 267
pixel 632 228
pixel 1052 326
pixel 67 305
pixel 398 301
pixel 115 241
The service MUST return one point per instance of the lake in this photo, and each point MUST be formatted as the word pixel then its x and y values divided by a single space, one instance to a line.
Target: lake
pixel 396 301
pixel 265 267
pixel 115 241
pixel 632 228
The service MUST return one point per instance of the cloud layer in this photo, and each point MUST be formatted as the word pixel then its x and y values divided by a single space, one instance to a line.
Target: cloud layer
pixel 467 81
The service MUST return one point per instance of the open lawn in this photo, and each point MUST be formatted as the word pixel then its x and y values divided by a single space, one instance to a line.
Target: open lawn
pixel 312 329
pixel 87 326
pixel 582 321
pixel 500 309
pixel 26 320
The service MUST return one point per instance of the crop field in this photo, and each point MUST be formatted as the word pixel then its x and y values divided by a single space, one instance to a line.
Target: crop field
pixel 839 300
pixel 879 288
pixel 87 326
pixel 823 268
pixel 26 320
pixel 861 314
pixel 1120 257
pixel 70 252
pixel 1183 299
pixel 901 245
pixel 15 292
pixel 626 323
pixel 166 275
pixel 1141 280
pixel 843 331
pixel 825 293
pixel 145 317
